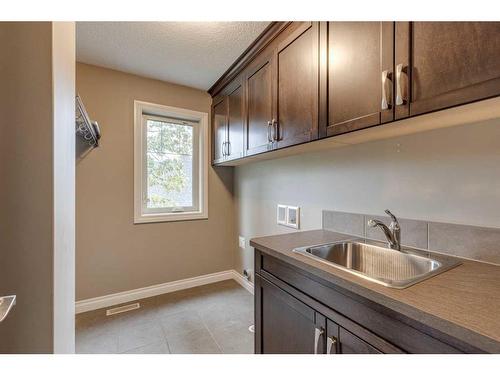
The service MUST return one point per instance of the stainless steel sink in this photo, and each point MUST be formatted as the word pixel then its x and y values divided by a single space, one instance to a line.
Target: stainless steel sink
pixel 373 261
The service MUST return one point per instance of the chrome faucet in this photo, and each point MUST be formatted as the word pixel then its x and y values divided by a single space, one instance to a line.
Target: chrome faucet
pixel 392 233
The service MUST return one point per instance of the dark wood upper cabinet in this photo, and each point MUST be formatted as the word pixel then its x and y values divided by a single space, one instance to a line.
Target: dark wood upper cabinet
pixel 235 120
pixel 447 64
pixel 297 57
pixel 259 104
pixel 219 128
pixel 360 75
pixel 300 81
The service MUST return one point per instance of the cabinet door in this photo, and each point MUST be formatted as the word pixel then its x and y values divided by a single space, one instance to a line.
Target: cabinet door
pixel 360 75
pixel 219 128
pixel 297 78
pixel 452 63
pixel 259 104
pixel 286 325
pixel 235 124
pixel 351 344
pixel 341 341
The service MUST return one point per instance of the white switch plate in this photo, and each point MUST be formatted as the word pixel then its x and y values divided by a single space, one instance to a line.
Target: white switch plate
pixel 293 217
pixel 281 214
pixel 289 216
pixel 241 242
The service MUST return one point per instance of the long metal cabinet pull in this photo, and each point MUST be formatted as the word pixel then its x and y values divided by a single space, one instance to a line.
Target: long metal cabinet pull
pixel 275 130
pixel 331 343
pixel 228 148
pixel 386 99
pixel 318 332
pixel 399 96
pixel 269 124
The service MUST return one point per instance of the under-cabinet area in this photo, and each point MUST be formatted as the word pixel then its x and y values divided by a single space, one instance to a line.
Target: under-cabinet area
pixel 304 81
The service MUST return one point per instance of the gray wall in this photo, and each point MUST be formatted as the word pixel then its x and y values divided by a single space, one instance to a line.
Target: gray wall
pixel 37 192
pixel 447 175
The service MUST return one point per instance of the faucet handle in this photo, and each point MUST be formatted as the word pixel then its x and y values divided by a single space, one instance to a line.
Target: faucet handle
pixel 391 215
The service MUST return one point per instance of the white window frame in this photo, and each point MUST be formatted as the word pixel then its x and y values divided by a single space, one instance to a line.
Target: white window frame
pixel 199 120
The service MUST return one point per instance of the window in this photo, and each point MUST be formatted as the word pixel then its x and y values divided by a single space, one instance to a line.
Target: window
pixel 170 163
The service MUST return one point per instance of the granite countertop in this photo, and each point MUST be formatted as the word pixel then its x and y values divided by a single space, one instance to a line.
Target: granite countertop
pixel 463 302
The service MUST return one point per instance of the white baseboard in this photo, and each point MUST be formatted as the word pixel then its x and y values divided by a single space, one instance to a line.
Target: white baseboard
pixel 155 290
pixel 240 279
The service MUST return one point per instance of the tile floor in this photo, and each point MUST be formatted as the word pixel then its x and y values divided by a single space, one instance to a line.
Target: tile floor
pixel 207 319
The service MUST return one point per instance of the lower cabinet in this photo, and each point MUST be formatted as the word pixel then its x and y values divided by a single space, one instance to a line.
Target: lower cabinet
pixel 297 312
pixel 286 325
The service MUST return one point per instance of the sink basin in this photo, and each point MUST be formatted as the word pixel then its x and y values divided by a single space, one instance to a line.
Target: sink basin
pixel 6 304
pixel 374 261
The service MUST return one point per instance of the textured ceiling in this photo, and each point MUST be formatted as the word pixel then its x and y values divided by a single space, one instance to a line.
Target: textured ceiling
pixel 194 54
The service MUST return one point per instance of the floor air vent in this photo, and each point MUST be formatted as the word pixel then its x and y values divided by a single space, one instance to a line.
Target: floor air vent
pixel 122 309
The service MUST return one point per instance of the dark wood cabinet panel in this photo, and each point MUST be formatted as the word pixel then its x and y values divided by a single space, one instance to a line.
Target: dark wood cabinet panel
pixel 219 129
pixel 288 326
pixel 259 105
pixel 297 60
pixel 235 121
pixel 360 75
pixel 351 344
pixel 452 63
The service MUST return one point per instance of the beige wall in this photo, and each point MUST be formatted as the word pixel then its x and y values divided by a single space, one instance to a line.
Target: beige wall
pixel 446 175
pixel 113 254
pixel 37 163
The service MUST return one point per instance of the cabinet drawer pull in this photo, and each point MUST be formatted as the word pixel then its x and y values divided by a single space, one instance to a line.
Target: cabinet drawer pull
pixel 275 130
pixel 386 96
pixel 318 332
pixel 399 95
pixel 269 124
pixel 228 148
pixel 224 148
pixel 331 343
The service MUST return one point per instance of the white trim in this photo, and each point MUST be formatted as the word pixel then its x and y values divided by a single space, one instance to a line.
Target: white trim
pixel 155 290
pixel 200 118
pixel 240 279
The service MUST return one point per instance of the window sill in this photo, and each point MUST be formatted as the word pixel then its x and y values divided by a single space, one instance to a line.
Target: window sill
pixel 178 216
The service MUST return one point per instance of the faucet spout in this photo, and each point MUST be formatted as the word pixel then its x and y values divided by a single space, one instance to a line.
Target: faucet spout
pixel 392 232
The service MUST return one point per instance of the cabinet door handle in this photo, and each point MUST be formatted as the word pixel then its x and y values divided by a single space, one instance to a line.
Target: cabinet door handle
pixel 386 97
pixel 224 148
pixel 275 130
pixel 331 343
pixel 269 124
pixel 399 95
pixel 228 148
pixel 318 332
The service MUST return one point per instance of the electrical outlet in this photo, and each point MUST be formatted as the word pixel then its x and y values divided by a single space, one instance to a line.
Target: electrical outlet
pixel 241 242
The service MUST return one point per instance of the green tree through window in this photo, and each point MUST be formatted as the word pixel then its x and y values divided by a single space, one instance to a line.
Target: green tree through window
pixel 169 164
